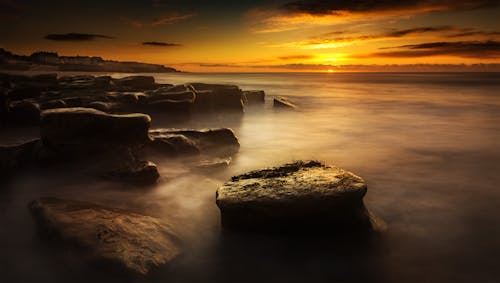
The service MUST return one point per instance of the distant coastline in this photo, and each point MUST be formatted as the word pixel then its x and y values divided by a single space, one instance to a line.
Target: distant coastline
pixel 51 61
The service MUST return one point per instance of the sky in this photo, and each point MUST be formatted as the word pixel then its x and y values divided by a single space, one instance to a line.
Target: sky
pixel 263 36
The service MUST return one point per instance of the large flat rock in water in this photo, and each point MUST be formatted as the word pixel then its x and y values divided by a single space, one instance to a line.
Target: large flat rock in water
pixel 86 127
pixel 293 196
pixel 136 242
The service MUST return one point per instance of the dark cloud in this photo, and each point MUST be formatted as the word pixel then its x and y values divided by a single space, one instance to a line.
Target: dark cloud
pixel 475 33
pixel 332 37
pixel 76 37
pixel 164 20
pixel 160 44
pixel 401 33
pixel 332 7
pixel 465 49
pixel 295 57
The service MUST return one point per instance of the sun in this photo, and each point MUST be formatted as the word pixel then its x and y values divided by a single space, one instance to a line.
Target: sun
pixel 330 71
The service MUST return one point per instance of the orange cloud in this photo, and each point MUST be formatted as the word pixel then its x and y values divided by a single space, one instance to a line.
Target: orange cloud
pixel 303 14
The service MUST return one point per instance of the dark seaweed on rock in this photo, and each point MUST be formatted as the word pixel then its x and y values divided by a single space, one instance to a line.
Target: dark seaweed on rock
pixel 281 171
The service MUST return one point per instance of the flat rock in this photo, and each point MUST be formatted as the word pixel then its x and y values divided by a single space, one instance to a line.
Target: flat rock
pixel 296 195
pixel 173 144
pixel 136 242
pixel 283 103
pixel 220 141
pixel 137 172
pixel 24 112
pixel 253 97
pixel 13 158
pixel 86 128
pixel 132 83
pixel 217 98
pixel 212 164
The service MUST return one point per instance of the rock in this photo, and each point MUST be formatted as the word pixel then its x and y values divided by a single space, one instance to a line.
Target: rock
pixel 253 97
pixel 85 130
pixel 283 103
pixel 28 87
pixel 101 106
pixel 139 172
pixel 221 141
pixel 52 104
pixel 4 105
pixel 127 98
pixel 17 156
pixel 24 92
pixel 24 112
pixel 135 83
pixel 167 106
pixel 214 98
pixel 166 95
pixel 298 196
pixel 85 82
pixel 212 164
pixel 173 145
pixel 135 242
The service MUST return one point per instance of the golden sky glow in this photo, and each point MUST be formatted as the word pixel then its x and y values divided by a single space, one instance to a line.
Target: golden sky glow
pixel 260 36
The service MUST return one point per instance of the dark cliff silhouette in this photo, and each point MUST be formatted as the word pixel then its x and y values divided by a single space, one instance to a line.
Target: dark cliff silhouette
pixel 45 61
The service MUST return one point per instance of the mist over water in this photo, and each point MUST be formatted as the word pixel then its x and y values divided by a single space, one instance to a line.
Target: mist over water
pixel 427 145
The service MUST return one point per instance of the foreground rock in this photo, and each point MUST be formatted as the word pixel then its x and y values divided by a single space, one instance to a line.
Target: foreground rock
pixel 86 130
pixel 283 103
pixel 219 142
pixel 137 242
pixel 296 196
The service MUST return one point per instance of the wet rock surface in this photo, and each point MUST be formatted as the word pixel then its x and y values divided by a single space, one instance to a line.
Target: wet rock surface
pixel 283 103
pixel 85 129
pixel 121 238
pixel 17 157
pixel 136 172
pixel 303 194
pixel 222 141
pixel 254 97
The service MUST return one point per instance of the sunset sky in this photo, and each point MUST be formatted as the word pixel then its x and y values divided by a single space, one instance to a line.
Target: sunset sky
pixel 257 36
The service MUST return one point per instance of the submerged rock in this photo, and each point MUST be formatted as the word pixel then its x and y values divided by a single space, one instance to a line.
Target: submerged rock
pixel 212 164
pixel 303 194
pixel 85 129
pixel 138 172
pixel 137 242
pixel 283 103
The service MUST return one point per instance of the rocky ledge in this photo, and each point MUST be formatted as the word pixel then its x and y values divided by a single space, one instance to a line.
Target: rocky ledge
pixel 303 194
pixel 22 98
pixel 136 242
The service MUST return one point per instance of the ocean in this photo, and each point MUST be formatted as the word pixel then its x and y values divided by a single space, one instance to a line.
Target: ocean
pixel 426 143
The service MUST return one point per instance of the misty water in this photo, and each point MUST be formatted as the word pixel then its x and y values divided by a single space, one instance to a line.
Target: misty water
pixel 427 145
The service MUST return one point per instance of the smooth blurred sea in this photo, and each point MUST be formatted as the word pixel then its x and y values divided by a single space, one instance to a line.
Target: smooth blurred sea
pixel 428 144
